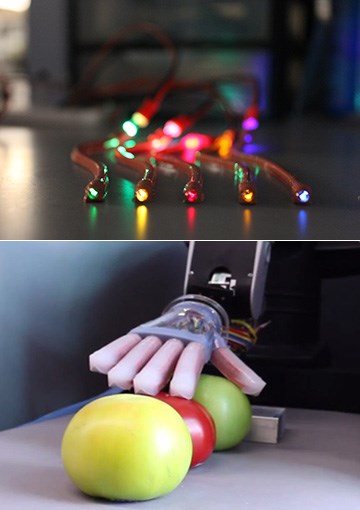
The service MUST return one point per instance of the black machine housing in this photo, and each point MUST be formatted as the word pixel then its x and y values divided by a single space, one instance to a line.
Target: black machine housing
pixel 298 353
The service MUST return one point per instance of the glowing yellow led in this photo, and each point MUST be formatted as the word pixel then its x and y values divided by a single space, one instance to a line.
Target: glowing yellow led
pixel 140 120
pixel 224 143
pixel 142 195
pixel 247 195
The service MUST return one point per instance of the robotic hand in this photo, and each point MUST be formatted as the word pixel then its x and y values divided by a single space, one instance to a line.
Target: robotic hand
pixel 175 347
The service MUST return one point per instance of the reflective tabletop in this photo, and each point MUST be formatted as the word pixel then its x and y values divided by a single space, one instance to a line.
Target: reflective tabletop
pixel 41 190
pixel 316 465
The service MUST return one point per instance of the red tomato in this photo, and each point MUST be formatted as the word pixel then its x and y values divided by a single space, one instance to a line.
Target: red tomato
pixel 199 422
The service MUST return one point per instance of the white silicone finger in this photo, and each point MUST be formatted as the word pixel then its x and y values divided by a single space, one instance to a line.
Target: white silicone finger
pixel 107 357
pixel 123 373
pixel 234 369
pixel 188 370
pixel 157 372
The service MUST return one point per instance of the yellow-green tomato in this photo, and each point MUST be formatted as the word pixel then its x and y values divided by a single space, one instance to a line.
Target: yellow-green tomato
pixel 229 407
pixel 127 447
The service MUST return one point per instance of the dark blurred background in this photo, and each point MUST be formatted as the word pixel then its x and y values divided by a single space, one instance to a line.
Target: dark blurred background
pixel 303 52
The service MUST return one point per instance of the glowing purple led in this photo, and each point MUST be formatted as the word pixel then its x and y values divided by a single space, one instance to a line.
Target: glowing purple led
pixel 248 138
pixel 250 124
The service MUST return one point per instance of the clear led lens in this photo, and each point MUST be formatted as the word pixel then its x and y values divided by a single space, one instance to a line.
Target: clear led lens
pixel 303 196
pixel 93 193
pixel 247 196
pixel 142 195
pixel 192 196
pixel 172 129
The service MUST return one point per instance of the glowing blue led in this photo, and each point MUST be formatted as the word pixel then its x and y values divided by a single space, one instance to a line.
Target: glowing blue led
pixel 303 196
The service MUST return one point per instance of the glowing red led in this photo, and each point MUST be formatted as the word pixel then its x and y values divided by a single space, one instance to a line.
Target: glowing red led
pixel 192 196
pixel 172 129
pixel 177 126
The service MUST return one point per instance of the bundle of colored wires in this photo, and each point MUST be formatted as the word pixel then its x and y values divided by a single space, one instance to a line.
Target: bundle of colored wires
pixel 241 335
pixel 236 160
pixel 300 192
pixel 172 144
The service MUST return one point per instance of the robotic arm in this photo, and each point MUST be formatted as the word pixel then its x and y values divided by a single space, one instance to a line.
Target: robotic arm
pixel 193 329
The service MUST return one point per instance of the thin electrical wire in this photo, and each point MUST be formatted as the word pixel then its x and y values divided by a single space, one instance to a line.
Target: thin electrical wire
pixel 83 88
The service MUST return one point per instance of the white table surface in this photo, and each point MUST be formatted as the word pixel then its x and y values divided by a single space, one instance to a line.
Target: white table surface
pixel 316 466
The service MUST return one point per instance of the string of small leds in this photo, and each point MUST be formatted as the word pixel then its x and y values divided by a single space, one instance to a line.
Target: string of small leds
pixel 187 152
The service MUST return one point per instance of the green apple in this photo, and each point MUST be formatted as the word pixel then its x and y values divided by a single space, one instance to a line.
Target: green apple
pixel 127 447
pixel 229 407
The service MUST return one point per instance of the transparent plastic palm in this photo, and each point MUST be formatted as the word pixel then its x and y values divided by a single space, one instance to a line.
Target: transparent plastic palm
pixel 174 348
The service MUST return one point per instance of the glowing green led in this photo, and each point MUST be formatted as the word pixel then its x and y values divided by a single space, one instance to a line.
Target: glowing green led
pixel 236 178
pixel 130 128
pixel 257 171
pixel 125 153
pixel 112 143
pixel 93 193
pixel 129 144
pixel 238 173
